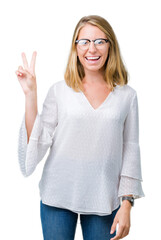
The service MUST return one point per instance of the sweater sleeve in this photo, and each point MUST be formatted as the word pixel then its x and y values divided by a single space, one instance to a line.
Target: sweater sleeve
pixel 29 155
pixel 131 175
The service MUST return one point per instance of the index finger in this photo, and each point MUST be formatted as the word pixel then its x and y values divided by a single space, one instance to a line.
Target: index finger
pixel 24 59
pixel 33 60
pixel 119 234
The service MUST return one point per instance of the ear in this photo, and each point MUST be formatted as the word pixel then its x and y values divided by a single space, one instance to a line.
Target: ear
pixel 76 52
pixel 78 59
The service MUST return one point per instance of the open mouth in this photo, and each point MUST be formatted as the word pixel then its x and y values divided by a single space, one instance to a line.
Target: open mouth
pixel 92 59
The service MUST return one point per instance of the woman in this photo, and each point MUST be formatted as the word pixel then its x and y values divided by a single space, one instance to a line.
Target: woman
pixel 90 122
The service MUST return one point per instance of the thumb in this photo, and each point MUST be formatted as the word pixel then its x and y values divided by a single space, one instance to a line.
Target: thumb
pixel 113 227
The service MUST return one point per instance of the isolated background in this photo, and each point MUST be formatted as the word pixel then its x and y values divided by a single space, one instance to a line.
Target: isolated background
pixel 47 27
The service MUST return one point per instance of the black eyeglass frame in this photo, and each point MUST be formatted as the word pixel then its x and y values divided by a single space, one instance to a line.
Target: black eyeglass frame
pixel 106 40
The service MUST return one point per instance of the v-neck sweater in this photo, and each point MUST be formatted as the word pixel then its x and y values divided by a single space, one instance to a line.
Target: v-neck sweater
pixel 94 157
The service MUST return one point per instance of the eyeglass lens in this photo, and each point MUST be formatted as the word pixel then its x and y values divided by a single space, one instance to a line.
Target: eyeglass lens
pixel 84 43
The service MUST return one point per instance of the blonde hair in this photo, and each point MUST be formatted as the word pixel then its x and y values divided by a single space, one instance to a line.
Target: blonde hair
pixel 114 73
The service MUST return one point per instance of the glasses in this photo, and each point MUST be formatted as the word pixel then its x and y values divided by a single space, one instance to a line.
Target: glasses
pixel 99 43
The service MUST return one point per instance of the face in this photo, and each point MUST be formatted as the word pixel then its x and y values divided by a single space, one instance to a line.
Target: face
pixel 92 32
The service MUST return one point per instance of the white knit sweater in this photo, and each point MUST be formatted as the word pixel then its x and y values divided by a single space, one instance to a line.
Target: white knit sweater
pixel 94 156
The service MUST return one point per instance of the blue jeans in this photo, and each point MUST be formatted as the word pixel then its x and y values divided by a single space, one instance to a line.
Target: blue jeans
pixel 60 224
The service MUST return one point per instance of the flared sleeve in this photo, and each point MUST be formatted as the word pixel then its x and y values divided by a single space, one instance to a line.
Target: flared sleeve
pixel 131 174
pixel 31 153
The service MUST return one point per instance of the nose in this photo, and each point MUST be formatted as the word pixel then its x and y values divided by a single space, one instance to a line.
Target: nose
pixel 92 47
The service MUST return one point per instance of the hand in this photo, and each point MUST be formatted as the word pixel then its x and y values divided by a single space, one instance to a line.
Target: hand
pixel 26 76
pixel 122 217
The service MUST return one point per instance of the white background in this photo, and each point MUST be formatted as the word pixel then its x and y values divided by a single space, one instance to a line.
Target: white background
pixel 47 27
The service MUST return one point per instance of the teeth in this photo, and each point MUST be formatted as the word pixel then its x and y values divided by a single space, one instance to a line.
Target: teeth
pixel 92 57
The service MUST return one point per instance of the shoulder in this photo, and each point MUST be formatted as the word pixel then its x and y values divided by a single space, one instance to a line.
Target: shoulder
pixel 126 91
pixel 57 86
pixel 59 89
pixel 125 94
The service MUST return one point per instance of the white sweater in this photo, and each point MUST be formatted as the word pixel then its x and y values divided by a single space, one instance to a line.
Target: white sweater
pixel 94 156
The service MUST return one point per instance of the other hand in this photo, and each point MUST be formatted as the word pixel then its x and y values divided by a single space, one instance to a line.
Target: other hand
pixel 122 218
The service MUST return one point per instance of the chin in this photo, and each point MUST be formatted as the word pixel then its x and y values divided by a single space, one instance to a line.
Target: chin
pixel 94 68
pixel 100 67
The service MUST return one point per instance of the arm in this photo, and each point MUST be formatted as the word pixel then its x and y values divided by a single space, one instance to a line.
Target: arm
pixel 30 111
pixel 40 139
pixel 131 176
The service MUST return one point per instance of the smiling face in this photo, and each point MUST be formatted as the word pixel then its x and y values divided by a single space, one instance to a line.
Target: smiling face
pixel 92 32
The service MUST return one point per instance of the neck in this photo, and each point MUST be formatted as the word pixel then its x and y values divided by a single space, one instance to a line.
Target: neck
pixel 93 77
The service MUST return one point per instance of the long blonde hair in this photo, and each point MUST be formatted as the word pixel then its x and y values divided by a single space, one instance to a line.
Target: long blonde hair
pixel 114 73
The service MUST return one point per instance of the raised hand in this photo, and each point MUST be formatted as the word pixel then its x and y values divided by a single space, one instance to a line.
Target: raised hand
pixel 26 76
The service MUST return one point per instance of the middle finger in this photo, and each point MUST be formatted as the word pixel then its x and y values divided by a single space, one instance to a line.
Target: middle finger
pixel 32 64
